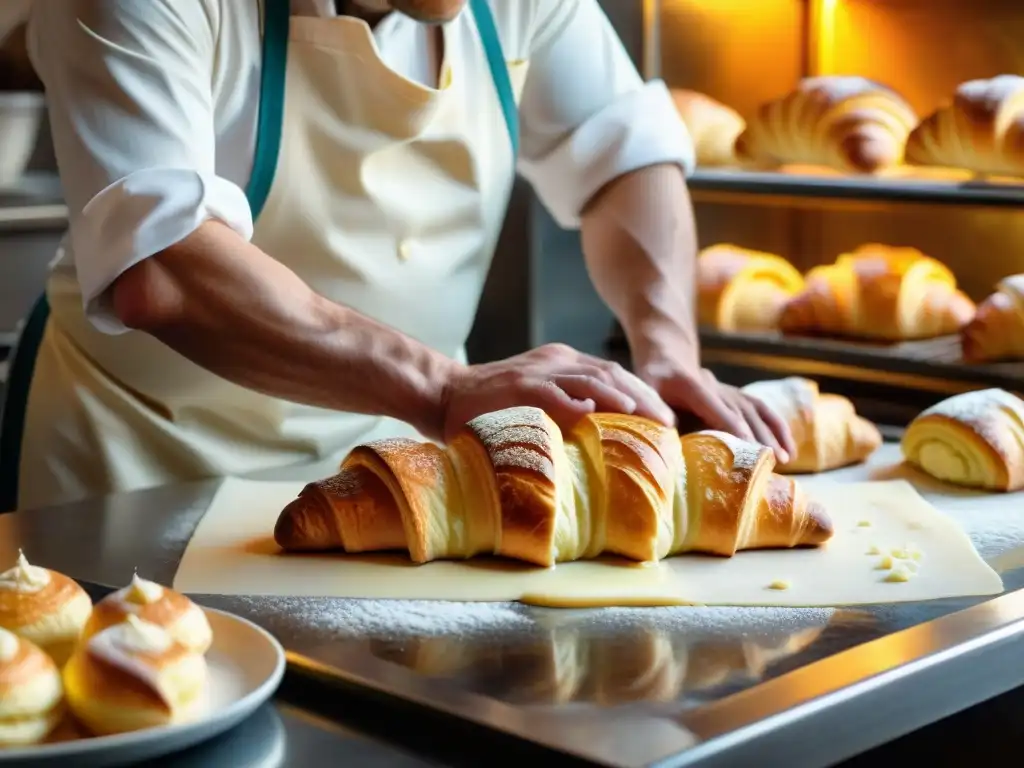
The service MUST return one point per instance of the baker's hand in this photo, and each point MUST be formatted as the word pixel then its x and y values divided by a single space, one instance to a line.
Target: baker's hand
pixel 689 388
pixel 565 383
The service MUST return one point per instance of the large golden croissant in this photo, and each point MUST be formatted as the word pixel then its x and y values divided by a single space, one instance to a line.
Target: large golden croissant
pixel 826 429
pixel 510 485
pixel 981 130
pixel 997 330
pixel 713 126
pixel 847 123
pixel 743 290
pixel 879 292
pixel 975 439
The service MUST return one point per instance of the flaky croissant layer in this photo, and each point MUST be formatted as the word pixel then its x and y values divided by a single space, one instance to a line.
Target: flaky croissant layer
pixel 510 484
pixel 975 439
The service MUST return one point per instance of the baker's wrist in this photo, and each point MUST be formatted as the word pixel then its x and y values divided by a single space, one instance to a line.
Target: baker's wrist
pixel 660 341
pixel 440 376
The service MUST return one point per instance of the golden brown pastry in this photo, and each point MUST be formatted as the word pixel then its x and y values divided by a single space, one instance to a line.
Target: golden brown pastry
pixel 975 440
pixel 882 293
pixel 510 485
pixel 847 123
pixel 826 429
pixel 713 127
pixel 134 675
pixel 31 693
pixel 980 130
pixel 743 290
pixel 184 620
pixel 997 330
pixel 44 607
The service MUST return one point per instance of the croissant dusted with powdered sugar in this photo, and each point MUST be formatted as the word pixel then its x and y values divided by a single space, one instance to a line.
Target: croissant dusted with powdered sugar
pixel 850 124
pixel 975 439
pixel 879 292
pixel 743 290
pixel 980 130
pixel 510 485
pixel 997 330
pixel 826 429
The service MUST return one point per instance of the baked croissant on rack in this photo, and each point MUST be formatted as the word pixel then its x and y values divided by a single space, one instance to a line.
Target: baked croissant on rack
pixel 975 440
pixel 713 127
pixel 997 330
pixel 980 130
pixel 826 429
pixel 743 290
pixel 882 293
pixel 850 124
pixel 510 485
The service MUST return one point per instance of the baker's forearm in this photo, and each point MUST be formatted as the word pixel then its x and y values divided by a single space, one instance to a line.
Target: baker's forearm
pixel 640 246
pixel 229 307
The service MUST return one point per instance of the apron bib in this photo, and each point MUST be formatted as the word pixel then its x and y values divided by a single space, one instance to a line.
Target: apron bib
pixel 381 194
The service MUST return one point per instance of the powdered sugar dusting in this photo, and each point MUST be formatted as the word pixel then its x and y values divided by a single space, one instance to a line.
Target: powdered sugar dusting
pixel 745 455
pixel 333 619
pixel 517 437
pixel 975 408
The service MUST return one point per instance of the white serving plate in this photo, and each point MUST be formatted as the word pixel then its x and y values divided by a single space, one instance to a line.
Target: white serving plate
pixel 246 666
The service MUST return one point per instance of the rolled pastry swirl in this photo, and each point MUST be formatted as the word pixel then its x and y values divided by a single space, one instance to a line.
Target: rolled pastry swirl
pixel 975 440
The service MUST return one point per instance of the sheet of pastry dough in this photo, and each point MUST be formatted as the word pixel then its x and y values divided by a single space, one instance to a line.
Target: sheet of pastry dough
pixel 232 552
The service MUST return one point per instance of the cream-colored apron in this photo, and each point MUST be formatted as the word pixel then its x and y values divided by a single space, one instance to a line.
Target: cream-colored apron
pixel 386 196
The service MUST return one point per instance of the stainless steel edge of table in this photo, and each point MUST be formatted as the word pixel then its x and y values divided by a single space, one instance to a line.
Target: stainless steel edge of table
pixel 618 688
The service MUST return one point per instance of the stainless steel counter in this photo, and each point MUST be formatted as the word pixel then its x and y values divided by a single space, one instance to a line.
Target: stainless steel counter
pixel 626 687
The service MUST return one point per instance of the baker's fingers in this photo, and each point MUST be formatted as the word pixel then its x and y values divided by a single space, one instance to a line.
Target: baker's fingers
pixel 563 408
pixel 649 403
pixel 590 387
pixel 780 429
pixel 703 398
pixel 762 432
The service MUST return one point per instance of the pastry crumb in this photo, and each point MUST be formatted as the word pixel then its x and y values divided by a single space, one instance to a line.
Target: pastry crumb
pixel 780 584
pixel 863 523
pixel 885 564
pixel 915 526
pixel 873 550
pixel 899 574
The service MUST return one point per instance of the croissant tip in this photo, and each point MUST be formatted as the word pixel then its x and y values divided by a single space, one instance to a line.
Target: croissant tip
pixel 819 525
pixel 299 529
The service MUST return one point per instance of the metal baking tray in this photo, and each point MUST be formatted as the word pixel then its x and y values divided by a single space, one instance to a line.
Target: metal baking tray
pixel 630 687
pixel 890 383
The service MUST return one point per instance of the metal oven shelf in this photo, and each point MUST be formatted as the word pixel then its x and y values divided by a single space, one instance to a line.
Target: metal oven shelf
pixel 733 186
pixel 890 384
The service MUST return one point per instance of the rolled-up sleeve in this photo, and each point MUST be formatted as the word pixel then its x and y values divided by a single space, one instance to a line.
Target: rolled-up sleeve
pixel 587 117
pixel 129 86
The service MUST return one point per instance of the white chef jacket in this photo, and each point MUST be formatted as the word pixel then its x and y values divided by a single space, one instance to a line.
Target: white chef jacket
pixel 152 145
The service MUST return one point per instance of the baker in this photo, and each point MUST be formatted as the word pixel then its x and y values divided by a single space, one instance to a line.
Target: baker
pixel 282 214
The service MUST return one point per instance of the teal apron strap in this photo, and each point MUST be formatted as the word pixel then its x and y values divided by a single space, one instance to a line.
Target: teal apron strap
pixel 276 17
pixel 12 415
pixel 499 69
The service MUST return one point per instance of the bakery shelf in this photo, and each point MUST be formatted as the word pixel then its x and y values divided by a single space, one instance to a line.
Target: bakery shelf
pixel 890 384
pixel 797 190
